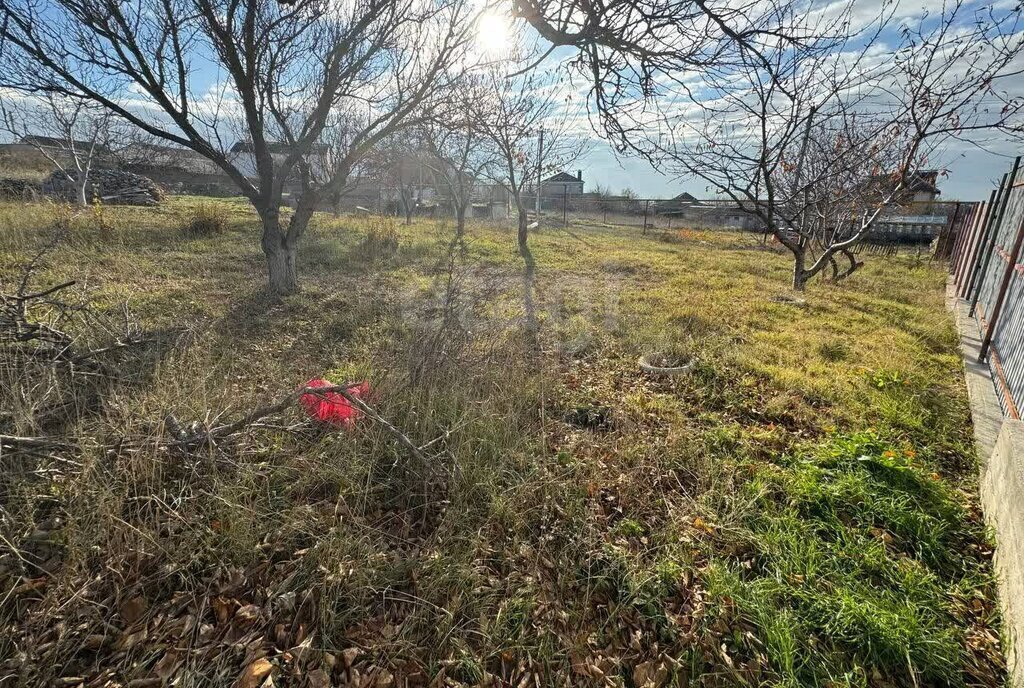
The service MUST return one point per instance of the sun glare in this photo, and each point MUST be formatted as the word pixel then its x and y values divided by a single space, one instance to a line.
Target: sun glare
pixel 493 34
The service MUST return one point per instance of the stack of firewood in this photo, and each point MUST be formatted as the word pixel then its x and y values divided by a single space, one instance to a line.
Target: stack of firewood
pixel 18 189
pixel 114 187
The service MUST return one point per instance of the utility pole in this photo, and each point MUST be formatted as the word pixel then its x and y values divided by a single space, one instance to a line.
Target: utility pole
pixel 540 168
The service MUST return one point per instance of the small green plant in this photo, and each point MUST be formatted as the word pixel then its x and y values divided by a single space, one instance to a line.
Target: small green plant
pixel 206 220
pixel 627 527
pixel 881 379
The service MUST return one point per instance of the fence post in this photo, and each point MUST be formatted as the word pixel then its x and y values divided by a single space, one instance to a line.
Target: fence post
pixel 964 239
pixel 976 277
pixel 940 249
pixel 993 316
pixel 647 205
pixel 973 253
pixel 565 201
pixel 991 232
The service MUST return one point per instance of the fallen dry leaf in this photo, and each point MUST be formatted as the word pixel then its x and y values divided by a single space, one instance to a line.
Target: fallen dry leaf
pixel 247 614
pixel 31 585
pixel 221 608
pixel 349 655
pixel 133 609
pixel 144 683
pixel 650 674
pixel 318 679
pixel 254 674
pixel 167 665
pixel 131 639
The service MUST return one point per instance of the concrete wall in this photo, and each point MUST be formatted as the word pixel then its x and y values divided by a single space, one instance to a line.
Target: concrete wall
pixel 1000 446
pixel 1002 498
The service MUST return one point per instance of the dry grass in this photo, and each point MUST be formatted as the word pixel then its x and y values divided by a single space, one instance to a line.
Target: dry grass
pixel 799 510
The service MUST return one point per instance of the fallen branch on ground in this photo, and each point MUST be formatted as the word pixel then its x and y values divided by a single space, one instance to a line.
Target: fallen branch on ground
pixel 34 321
pixel 14 441
pixel 193 436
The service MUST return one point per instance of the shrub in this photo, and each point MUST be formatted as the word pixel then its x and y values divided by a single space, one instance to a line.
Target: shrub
pixel 207 219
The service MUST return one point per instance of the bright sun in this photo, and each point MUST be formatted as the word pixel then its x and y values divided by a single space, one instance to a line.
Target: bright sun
pixel 493 33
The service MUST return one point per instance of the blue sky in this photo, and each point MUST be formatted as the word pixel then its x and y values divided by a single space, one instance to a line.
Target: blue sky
pixel 972 173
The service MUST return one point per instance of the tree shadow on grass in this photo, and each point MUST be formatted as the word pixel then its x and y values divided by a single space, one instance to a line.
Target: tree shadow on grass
pixel 529 305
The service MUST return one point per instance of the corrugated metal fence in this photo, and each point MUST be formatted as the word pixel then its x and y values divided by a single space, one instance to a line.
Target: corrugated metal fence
pixel 987 267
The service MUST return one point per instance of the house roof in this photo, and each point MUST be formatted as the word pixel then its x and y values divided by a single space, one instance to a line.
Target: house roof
pixel 922 181
pixel 685 197
pixel 275 147
pixel 247 147
pixel 54 142
pixel 563 177
pixel 165 149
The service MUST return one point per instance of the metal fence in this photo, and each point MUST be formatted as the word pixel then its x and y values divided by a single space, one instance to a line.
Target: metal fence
pixel 913 222
pixel 987 269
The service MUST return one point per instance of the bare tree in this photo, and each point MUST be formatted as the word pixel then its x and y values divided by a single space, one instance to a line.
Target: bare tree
pixel 459 153
pixel 818 144
pixel 400 161
pixel 70 133
pixel 745 95
pixel 291 71
pixel 640 57
pixel 511 116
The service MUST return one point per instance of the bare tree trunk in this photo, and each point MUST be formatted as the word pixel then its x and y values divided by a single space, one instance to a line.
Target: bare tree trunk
pixel 407 206
pixel 522 234
pixel 529 272
pixel 799 273
pixel 82 182
pixel 460 219
pixel 281 255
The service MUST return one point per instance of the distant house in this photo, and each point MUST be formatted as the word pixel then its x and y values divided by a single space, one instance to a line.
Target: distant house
pixel 158 158
pixel 920 187
pixel 54 147
pixel 241 155
pixel 680 202
pixel 563 184
pixel 699 214
pixel 58 145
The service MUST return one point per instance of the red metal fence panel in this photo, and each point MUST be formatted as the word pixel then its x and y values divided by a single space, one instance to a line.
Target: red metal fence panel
pixel 987 265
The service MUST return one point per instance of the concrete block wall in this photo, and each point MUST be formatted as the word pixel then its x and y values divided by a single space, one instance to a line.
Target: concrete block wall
pixel 1000 446
pixel 1002 498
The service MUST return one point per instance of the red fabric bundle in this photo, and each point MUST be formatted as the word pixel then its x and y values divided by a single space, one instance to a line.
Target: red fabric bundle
pixel 331 407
